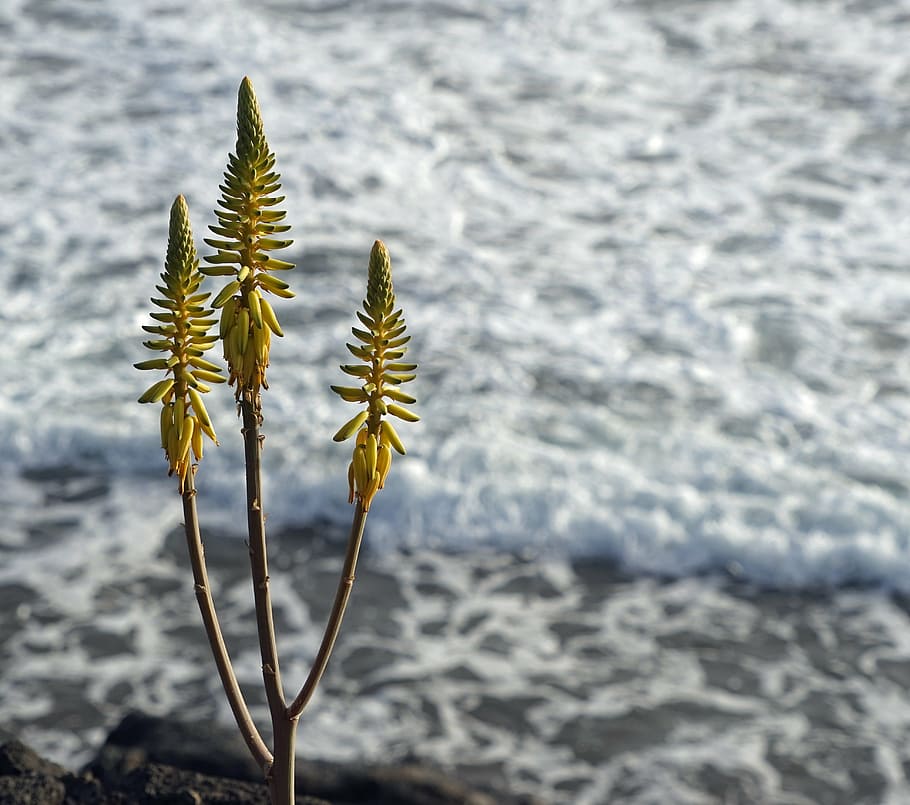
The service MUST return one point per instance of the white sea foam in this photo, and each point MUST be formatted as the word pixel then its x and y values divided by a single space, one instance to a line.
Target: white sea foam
pixel 651 256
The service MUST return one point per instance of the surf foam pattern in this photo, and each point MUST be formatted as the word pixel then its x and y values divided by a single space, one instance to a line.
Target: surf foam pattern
pixel 653 260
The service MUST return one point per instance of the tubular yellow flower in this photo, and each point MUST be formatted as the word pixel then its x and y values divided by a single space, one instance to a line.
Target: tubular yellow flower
pixel 381 349
pixel 183 327
pixel 246 229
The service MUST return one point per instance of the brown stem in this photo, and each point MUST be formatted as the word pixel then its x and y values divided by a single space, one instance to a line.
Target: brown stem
pixel 345 583
pixel 241 712
pixel 281 775
pixel 251 407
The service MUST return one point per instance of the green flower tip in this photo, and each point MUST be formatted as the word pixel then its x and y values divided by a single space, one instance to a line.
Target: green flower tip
pixel 250 131
pixel 181 259
pixel 380 294
pixel 179 211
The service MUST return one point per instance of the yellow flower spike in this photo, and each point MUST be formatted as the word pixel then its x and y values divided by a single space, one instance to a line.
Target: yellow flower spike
pixel 382 345
pixel 246 233
pixel 185 329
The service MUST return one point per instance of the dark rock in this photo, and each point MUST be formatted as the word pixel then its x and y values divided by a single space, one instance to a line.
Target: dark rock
pixel 153 784
pixel 151 761
pixel 147 754
pixel 141 739
pixel 31 789
pixel 385 785
pixel 17 759
pixel 84 790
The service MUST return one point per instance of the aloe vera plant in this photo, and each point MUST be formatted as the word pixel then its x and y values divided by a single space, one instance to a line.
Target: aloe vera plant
pixel 248 223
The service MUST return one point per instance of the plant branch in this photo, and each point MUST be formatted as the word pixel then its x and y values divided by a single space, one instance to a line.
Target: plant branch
pixel 280 777
pixel 345 583
pixel 251 410
pixel 241 712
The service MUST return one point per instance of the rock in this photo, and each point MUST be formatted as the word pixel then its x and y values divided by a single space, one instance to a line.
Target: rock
pixel 31 788
pixel 154 784
pixel 16 759
pixel 84 789
pixel 146 784
pixel 153 761
pixel 140 740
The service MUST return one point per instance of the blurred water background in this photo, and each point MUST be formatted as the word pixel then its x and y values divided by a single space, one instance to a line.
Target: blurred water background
pixel 650 542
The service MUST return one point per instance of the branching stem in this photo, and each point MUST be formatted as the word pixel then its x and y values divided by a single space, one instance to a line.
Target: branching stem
pixel 251 410
pixel 241 712
pixel 345 583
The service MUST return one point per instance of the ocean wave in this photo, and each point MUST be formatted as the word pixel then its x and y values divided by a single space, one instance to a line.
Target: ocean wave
pixel 651 263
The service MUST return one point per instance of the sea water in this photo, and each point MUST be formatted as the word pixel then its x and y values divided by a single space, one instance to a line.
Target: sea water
pixel 652 256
